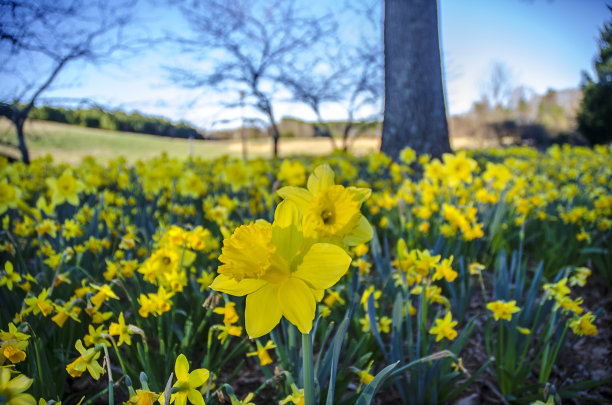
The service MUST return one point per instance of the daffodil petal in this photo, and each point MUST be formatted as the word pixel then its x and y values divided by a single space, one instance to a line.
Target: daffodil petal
pixel 286 235
pixel 318 294
pixel 297 303
pixel 195 397
pixel 181 367
pixel 360 193
pixel 323 265
pixel 262 311
pixel 361 234
pixel 322 178
pixel 19 383
pixel 198 377
pixel 223 283
pixel 298 195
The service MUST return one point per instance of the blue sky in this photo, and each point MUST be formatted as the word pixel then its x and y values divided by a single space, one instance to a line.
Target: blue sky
pixel 545 44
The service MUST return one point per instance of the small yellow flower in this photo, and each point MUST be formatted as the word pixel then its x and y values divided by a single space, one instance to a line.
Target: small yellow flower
pixel 584 325
pixel 65 188
pixel 10 276
pixel 476 268
pixel 229 313
pixel 39 304
pixel 262 352
pixel 102 295
pixel 444 328
pixel 365 378
pixel 142 397
pixel 187 383
pixel 122 330
pixel 296 397
pixel 86 361
pixel 503 310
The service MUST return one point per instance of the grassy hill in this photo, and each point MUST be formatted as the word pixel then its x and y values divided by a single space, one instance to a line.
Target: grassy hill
pixel 69 143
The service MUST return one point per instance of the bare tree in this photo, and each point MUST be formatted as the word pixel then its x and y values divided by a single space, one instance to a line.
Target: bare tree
pixel 253 40
pixel 498 87
pixel 349 76
pixel 40 38
pixel 415 109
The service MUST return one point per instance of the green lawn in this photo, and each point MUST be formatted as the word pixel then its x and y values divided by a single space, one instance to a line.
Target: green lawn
pixel 69 143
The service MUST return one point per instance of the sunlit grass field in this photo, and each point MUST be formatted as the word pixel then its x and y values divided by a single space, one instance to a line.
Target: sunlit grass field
pixel 70 143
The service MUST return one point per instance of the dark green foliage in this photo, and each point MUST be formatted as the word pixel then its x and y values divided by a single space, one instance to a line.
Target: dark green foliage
pixel 595 115
pixel 115 121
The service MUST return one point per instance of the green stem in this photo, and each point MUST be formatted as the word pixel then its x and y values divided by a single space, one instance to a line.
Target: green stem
pixel 111 399
pixel 118 355
pixel 500 359
pixel 308 364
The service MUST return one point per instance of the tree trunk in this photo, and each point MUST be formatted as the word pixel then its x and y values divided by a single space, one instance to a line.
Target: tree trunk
pixel 18 119
pixel 415 110
pixel 275 136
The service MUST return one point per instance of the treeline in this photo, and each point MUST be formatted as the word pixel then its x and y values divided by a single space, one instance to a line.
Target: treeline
pixel 115 120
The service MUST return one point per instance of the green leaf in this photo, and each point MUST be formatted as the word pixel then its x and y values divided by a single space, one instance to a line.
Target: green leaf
pixel 370 390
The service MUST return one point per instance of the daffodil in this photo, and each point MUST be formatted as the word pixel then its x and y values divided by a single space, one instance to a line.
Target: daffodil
pixel 12 390
pixel 584 325
pixel 10 276
pixel 187 383
pixel 142 397
pixel 246 401
pixel 444 328
pixel 104 292
pixel 503 310
pixel 122 330
pixel 39 304
pixel 88 360
pixel 229 313
pixel 365 378
pixel 330 211
pixel 296 397
pixel 262 352
pixel 65 188
pixel 266 263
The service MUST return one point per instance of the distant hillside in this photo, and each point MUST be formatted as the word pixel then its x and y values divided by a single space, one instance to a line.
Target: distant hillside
pixel 115 120
pixel 290 127
pixel 529 118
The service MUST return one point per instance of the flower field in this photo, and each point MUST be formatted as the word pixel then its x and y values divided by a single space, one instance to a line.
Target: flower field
pixel 314 280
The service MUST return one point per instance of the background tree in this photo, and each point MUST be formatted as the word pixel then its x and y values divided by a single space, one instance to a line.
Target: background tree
pixel 347 73
pixel 498 87
pixel 415 109
pixel 252 40
pixel 595 114
pixel 40 38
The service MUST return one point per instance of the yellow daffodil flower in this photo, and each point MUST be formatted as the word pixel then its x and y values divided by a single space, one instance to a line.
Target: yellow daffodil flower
pixel 86 361
pixel 444 328
pixel 65 188
pixel 330 212
pixel 10 276
pixel 502 309
pixel 584 325
pixel 266 263
pixel 39 304
pixel 296 397
pixel 187 383
pixel 122 330
pixel 262 352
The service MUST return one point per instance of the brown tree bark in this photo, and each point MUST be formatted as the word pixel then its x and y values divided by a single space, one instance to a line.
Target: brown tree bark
pixel 415 109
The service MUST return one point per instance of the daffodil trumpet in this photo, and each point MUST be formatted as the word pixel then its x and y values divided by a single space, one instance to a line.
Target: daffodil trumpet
pixel 280 273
